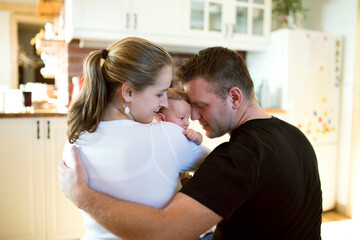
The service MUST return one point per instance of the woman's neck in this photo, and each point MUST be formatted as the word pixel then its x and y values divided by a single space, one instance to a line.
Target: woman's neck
pixel 113 112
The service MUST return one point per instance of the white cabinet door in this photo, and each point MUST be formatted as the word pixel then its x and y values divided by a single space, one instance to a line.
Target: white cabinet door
pixel 107 15
pixel 157 17
pixel 22 202
pixel 112 20
pixel 96 19
pixel 64 220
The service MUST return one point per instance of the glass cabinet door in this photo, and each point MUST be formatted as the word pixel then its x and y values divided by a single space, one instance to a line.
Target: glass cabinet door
pixel 206 15
pixel 197 14
pixel 258 21
pixel 249 17
pixel 241 21
pixel 215 16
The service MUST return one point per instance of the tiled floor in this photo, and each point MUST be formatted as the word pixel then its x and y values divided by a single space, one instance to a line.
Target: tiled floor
pixel 338 227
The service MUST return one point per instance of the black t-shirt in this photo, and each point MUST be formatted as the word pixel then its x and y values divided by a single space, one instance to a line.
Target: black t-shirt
pixel 264 182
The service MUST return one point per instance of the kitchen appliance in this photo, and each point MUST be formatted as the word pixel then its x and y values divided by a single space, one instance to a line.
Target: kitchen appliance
pixel 306 66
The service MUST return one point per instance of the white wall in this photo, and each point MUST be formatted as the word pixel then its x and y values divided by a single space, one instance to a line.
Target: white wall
pixel 5 59
pixel 339 17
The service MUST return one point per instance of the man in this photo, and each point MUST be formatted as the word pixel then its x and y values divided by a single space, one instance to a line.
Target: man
pixel 262 184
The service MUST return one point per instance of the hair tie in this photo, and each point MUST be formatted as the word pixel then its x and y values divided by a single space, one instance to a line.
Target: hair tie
pixel 104 53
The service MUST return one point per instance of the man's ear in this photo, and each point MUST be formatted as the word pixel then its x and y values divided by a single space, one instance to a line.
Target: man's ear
pixel 127 92
pixel 235 96
pixel 160 117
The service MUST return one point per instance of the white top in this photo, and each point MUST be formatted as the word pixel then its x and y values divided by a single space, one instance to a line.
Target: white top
pixel 135 162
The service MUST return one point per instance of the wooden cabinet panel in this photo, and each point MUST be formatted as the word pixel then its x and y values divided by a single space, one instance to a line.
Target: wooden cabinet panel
pixel 32 205
pixel 22 203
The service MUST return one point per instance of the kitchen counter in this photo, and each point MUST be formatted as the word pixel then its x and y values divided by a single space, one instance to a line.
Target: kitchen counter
pixel 36 113
pixel 63 113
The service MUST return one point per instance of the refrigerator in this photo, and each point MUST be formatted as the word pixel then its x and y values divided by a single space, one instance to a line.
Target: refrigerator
pixel 302 73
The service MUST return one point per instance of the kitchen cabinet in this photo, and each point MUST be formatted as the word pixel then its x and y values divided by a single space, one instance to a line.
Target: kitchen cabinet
pixel 177 25
pixel 33 206
pixel 112 20
pixel 237 24
pixel 22 180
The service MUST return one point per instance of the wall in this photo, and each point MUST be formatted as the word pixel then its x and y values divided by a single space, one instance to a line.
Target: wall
pixel 5 59
pixel 339 17
pixel 355 154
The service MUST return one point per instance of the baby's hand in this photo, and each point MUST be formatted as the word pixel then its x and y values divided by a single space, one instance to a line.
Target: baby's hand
pixel 194 136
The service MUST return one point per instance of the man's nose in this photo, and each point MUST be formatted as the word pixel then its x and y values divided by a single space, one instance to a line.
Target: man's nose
pixel 194 114
pixel 164 101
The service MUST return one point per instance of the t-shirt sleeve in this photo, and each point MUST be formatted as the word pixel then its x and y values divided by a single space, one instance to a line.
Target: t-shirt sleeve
pixel 188 155
pixel 224 181
pixel 67 155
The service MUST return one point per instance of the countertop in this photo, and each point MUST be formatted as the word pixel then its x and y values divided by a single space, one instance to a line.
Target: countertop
pixel 63 113
pixel 36 113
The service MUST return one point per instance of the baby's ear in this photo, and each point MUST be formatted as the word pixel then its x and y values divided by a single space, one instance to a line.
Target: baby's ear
pixel 160 117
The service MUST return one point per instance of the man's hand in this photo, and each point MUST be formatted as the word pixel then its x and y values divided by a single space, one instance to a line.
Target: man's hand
pixel 73 181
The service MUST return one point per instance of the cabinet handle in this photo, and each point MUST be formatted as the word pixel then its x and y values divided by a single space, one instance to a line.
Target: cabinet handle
pixel 135 21
pixel 232 30
pixel 38 129
pixel 226 29
pixel 48 129
pixel 127 20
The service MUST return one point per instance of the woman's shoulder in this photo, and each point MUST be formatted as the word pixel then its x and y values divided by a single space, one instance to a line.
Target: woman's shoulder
pixel 170 131
pixel 167 126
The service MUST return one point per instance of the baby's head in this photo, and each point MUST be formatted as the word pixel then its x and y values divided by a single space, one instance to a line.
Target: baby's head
pixel 179 109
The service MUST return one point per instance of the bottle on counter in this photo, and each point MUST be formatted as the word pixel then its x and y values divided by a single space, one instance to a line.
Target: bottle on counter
pixel 265 94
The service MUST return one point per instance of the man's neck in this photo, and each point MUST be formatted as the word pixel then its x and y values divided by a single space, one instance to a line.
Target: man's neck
pixel 250 111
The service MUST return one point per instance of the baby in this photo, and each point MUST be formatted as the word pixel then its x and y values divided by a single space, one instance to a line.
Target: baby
pixel 178 112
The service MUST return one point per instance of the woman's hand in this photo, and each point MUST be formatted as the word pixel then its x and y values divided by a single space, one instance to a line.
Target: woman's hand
pixel 73 181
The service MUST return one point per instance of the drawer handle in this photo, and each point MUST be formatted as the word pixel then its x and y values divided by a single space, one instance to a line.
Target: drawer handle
pixel 135 21
pixel 38 129
pixel 127 20
pixel 48 129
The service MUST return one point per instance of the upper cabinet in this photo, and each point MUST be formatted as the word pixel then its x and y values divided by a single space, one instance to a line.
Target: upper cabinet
pixel 174 24
pixel 237 24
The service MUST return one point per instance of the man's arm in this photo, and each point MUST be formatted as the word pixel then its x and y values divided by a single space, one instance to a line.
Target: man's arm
pixel 184 217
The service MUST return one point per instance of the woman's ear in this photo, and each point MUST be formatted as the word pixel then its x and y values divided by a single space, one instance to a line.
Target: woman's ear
pixel 235 96
pixel 126 92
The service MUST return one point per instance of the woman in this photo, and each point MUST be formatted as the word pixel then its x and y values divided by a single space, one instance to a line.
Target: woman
pixel 126 156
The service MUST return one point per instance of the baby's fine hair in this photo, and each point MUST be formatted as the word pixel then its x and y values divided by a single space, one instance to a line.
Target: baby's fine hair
pixel 174 94
pixel 177 94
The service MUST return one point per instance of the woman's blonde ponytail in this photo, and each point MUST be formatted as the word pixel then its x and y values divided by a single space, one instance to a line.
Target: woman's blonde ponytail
pixel 86 111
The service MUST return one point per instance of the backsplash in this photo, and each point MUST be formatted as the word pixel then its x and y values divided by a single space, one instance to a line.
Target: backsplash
pixel 71 59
